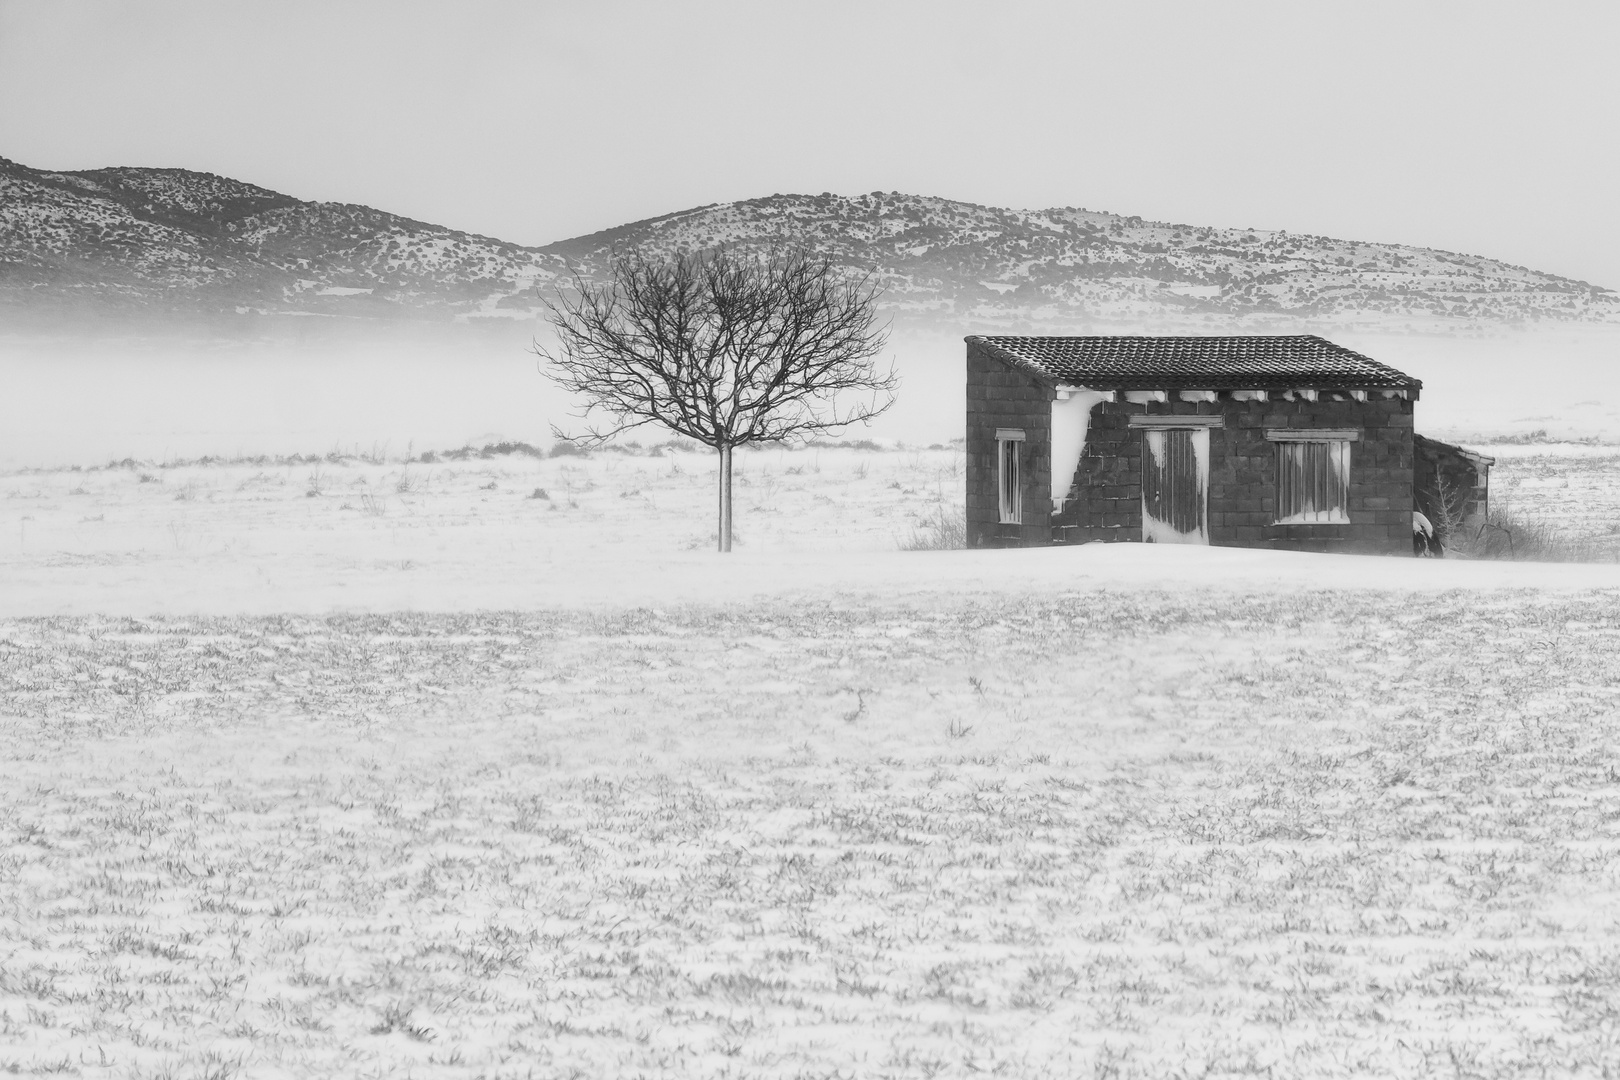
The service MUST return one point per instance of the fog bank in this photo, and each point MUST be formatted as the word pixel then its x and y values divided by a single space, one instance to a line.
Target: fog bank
pixel 89 400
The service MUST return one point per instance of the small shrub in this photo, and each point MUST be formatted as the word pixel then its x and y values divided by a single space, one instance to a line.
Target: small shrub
pixel 397 1017
pixel 540 493
pixel 504 448
pixel 946 530
pixel 564 448
pixel 843 444
pixel 1524 438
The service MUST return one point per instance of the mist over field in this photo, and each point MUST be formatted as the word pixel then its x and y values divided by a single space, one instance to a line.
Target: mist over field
pixel 183 392
pixel 160 313
pixel 87 401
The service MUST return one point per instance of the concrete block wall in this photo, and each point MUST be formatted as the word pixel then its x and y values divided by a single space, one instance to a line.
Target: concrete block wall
pixel 1106 497
pixel 1000 396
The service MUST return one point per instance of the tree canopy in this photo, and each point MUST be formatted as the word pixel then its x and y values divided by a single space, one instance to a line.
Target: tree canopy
pixel 724 349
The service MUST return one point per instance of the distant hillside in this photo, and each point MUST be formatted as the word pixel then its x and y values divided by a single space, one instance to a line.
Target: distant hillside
pixel 169 240
pixel 1062 266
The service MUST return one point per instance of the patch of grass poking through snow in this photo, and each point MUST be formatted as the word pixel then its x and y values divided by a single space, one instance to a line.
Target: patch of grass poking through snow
pixel 397 1017
pixel 1342 834
pixel 943 530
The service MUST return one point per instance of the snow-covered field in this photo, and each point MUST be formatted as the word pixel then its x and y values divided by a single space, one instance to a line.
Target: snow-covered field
pixel 1576 487
pixel 515 532
pixel 421 774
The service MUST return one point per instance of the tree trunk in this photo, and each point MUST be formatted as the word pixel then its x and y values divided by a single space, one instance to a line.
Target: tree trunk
pixel 725 498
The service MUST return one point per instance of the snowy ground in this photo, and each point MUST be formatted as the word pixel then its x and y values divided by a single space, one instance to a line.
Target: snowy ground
pixel 1573 486
pixel 826 808
pixel 624 531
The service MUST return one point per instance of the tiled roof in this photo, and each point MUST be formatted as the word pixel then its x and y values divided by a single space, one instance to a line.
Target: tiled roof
pixel 1197 363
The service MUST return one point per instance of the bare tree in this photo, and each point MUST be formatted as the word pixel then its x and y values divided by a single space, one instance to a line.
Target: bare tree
pixel 723 349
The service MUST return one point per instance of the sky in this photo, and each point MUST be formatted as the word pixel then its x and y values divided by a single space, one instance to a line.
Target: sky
pixel 1482 127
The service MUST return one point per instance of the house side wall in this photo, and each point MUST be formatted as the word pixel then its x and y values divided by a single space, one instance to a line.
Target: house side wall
pixel 1106 498
pixel 1451 487
pixel 1001 396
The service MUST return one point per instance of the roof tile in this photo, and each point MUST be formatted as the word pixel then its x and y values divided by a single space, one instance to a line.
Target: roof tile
pixel 1197 363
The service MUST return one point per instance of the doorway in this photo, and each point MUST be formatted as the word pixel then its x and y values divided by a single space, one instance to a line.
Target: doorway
pixel 1175 485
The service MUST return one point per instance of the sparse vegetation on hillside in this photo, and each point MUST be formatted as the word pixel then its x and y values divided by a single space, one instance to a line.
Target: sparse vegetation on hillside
pixel 976 263
pixel 169 237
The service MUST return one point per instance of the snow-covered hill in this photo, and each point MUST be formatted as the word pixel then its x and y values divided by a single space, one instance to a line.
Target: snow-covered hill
pixel 1065 266
pixel 168 240
pixel 171 240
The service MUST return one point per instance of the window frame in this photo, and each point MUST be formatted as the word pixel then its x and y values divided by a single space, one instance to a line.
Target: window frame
pixel 1289 444
pixel 1009 476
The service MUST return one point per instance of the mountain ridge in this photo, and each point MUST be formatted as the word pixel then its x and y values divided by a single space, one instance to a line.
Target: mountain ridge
pixel 174 241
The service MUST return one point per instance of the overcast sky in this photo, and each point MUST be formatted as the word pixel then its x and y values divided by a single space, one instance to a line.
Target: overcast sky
pixel 1483 127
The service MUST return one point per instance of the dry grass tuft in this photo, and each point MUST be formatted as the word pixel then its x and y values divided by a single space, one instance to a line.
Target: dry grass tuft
pixel 1513 534
pixel 944 530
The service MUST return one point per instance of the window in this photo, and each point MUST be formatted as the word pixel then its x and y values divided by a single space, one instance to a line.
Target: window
pixel 1313 477
pixel 1009 474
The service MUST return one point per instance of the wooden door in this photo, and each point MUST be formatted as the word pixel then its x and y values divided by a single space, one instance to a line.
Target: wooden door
pixel 1175 485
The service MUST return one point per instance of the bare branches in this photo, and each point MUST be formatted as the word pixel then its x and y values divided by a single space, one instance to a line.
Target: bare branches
pixel 721 349
pixel 724 350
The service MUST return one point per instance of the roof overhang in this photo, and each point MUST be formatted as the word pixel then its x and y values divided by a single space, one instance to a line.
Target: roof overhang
pixel 1393 381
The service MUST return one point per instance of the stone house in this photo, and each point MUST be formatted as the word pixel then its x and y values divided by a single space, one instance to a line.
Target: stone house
pixel 1287 442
